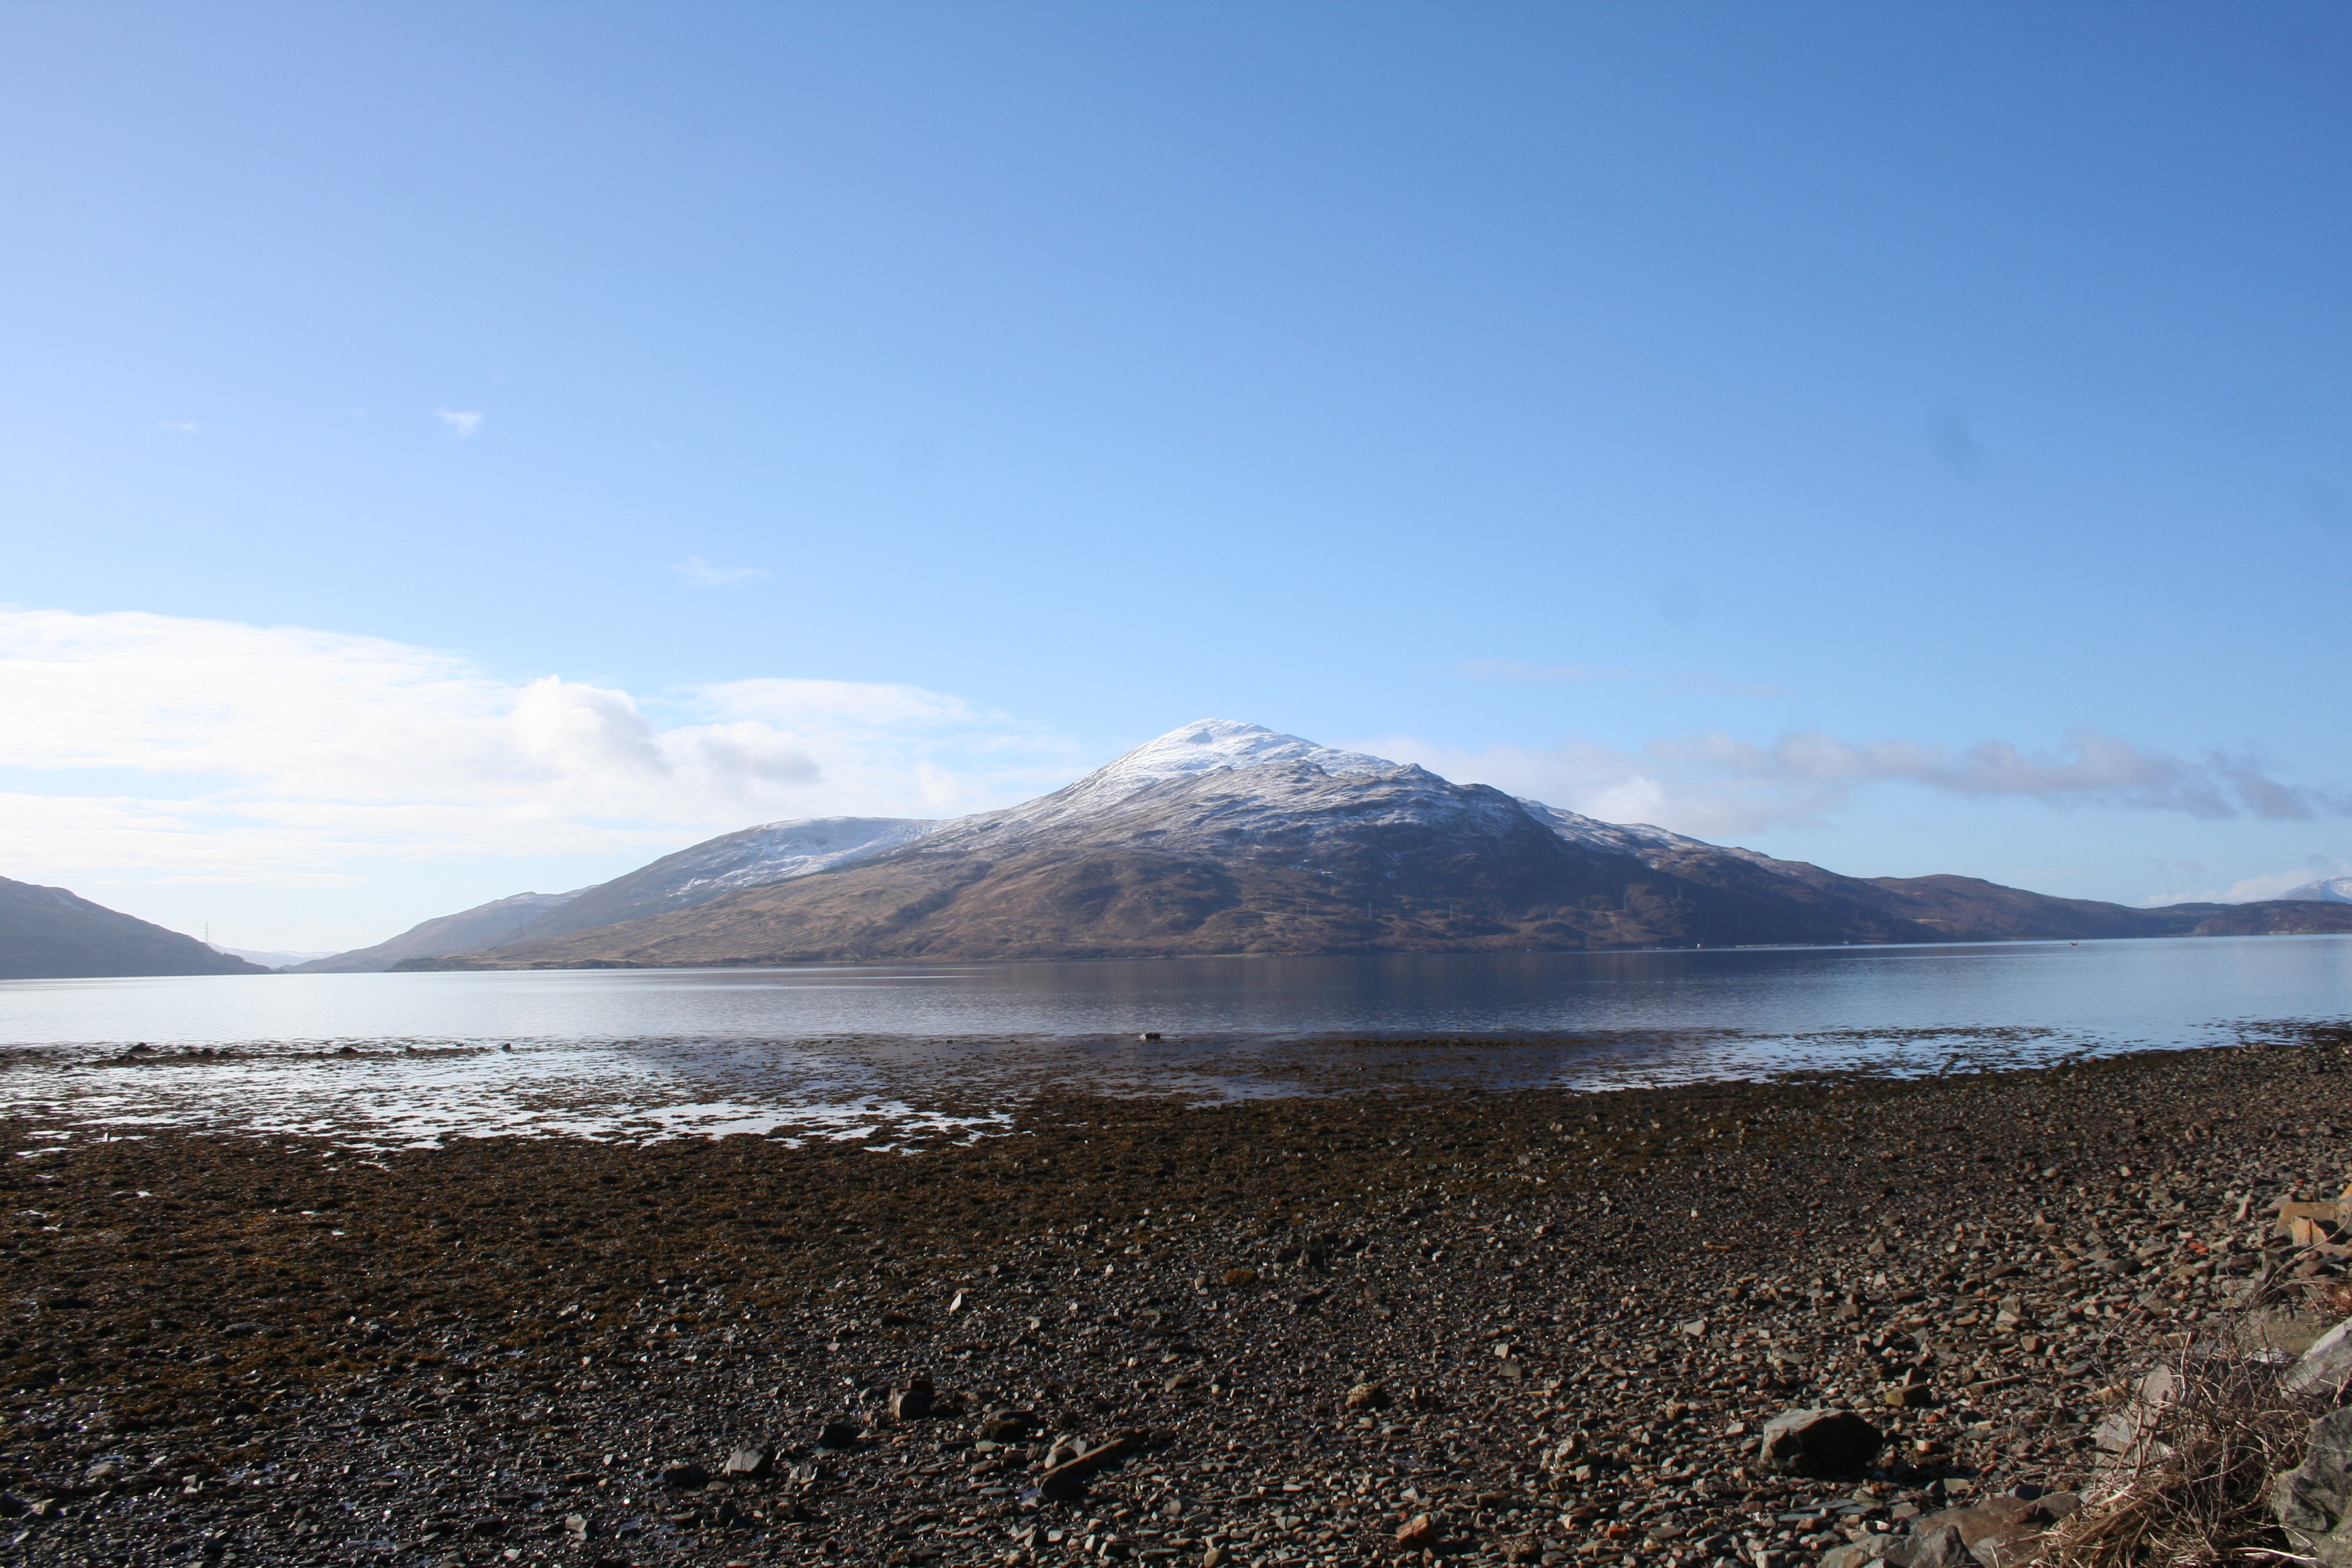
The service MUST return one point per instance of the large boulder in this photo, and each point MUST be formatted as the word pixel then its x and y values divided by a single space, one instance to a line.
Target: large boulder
pixel 1819 1443
pixel 2314 1500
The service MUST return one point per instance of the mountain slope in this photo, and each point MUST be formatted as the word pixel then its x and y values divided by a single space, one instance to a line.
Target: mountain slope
pixel 484 925
pixel 49 934
pixel 728 864
pixel 2327 890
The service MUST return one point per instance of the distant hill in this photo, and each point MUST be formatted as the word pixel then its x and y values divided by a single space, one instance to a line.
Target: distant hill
pixel 484 925
pixel 270 959
pixel 750 858
pixel 2327 890
pixel 1224 837
pixel 2278 917
pixel 49 934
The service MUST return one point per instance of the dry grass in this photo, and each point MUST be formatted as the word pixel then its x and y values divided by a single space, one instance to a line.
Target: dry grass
pixel 2194 1490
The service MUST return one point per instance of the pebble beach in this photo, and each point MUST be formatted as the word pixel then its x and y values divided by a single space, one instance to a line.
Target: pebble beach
pixel 1531 1326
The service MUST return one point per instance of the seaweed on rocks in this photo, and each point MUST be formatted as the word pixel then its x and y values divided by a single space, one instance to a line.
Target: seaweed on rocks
pixel 1533 1326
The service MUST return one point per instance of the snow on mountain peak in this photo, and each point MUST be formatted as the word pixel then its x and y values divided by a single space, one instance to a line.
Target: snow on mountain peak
pixel 2327 890
pixel 1215 745
pixel 1191 752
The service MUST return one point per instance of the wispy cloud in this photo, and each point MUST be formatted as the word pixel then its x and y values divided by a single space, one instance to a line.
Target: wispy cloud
pixel 462 423
pixel 1713 783
pixel 177 427
pixel 701 573
pixel 1661 682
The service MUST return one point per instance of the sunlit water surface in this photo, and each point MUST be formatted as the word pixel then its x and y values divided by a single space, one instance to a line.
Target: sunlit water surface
pixel 909 1050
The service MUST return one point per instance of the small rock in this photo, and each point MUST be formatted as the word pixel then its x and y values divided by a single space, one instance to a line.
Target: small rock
pixel 1062 1482
pixel 1931 1546
pixel 1417 1533
pixel 2325 1366
pixel 1368 1396
pixel 748 1464
pixel 914 1401
pixel 1819 1443
pixel 838 1435
pixel 684 1474
pixel 2127 1429
pixel 575 1525
pixel 1239 1277
pixel 1005 1426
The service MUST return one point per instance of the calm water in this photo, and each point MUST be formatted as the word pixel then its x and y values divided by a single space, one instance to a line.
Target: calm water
pixel 847 1049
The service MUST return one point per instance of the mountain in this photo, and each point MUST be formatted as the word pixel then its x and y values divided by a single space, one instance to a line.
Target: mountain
pixel 49 934
pixel 271 959
pixel 484 925
pixel 1223 837
pixel 2327 890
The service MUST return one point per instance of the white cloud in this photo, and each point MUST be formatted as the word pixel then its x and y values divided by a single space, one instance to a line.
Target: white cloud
pixel 177 427
pixel 157 748
pixel 701 573
pixel 1713 784
pixel 462 425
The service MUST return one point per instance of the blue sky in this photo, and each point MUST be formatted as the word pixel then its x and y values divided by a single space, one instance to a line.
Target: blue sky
pixel 451 449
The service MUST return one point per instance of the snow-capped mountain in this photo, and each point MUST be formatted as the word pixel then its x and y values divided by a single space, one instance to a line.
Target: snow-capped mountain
pixel 1228 837
pixel 1222 836
pixel 2327 890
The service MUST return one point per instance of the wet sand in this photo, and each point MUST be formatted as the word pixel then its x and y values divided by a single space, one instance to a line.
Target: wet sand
pixel 1564 1316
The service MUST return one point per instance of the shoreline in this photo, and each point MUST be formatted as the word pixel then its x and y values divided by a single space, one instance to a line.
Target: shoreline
pixel 462 963
pixel 1578 1308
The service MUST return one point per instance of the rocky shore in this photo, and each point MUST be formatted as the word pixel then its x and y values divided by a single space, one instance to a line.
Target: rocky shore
pixel 1533 1327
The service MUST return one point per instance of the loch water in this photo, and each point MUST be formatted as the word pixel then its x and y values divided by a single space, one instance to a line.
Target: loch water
pixel 857 1050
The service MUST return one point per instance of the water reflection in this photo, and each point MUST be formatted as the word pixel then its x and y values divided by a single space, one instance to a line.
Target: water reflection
pixel 839 1051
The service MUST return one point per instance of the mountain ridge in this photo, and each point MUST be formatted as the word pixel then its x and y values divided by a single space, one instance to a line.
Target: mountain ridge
pixel 1224 837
